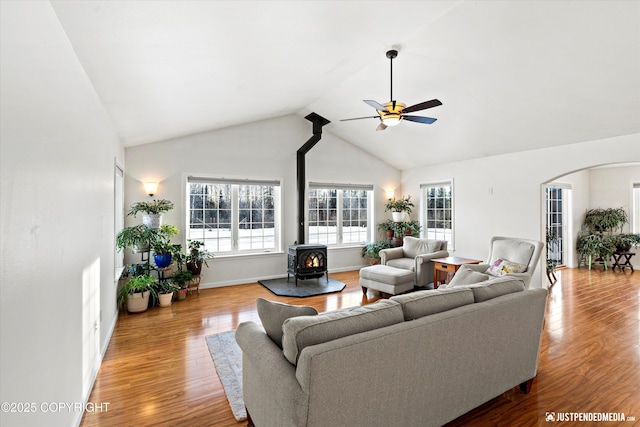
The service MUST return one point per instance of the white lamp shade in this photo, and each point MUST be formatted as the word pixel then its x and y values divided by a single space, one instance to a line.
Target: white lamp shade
pixel 151 188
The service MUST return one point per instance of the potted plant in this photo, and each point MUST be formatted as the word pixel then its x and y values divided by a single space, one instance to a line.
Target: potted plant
pixel 412 227
pixel 592 247
pixel 399 207
pixel 624 242
pixel 596 241
pixel 152 211
pixel 165 290
pixel 605 220
pixel 197 256
pixel 387 226
pixel 398 233
pixel 552 242
pixel 161 245
pixel 136 238
pixel 181 280
pixel 371 251
pixel 137 292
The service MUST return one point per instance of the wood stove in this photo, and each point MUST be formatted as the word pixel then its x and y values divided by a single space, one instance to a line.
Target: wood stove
pixel 307 262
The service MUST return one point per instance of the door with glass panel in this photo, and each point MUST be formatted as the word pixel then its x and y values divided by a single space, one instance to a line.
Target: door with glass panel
pixel 557 217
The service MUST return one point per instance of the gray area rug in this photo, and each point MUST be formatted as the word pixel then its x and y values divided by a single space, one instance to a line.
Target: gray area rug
pixel 305 288
pixel 227 357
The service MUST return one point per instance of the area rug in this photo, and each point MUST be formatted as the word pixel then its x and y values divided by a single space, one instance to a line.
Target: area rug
pixel 227 357
pixel 305 288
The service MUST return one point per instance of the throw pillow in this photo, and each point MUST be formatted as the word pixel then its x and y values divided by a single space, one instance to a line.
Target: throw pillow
pixel 466 276
pixel 273 314
pixel 500 267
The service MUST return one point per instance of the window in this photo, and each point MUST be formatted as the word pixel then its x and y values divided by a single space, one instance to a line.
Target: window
pixel 339 214
pixel 232 216
pixel 437 211
pixel 636 208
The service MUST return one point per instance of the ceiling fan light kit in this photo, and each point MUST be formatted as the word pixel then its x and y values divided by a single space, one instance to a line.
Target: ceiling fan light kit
pixel 393 112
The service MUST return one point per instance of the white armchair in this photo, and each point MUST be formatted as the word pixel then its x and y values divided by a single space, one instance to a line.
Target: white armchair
pixel 525 252
pixel 416 255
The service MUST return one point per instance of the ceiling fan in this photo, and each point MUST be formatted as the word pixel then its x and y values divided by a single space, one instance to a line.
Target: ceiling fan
pixel 393 112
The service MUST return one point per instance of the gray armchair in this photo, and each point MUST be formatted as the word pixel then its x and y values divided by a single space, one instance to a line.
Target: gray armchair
pixel 416 255
pixel 522 251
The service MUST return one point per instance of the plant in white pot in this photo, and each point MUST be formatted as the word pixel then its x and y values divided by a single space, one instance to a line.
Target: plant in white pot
pixel 165 290
pixel 399 208
pixel 151 211
pixel 137 292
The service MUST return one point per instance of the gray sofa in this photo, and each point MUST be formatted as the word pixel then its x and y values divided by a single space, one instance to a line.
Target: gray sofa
pixel 418 359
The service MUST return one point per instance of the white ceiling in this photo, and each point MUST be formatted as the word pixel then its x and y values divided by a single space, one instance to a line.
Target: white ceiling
pixel 512 76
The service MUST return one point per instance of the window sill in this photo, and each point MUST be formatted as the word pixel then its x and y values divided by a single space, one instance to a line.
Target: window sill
pixel 247 255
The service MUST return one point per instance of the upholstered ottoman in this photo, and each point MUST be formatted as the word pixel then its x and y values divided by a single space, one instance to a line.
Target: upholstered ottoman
pixel 389 280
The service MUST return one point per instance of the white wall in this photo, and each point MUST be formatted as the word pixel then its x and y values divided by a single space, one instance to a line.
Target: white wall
pixel 613 188
pixel 264 149
pixel 500 195
pixel 57 221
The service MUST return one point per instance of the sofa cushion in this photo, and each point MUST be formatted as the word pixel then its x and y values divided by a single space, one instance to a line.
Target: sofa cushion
pixel 496 287
pixel 273 314
pixel 501 267
pixel 403 263
pixel 304 331
pixel 514 250
pixel 386 274
pixel 466 276
pixel 423 303
pixel 414 246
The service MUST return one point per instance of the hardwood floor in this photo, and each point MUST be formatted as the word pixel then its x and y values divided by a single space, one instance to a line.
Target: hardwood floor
pixel 158 372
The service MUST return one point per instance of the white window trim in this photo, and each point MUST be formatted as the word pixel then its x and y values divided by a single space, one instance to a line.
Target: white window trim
pixel 241 180
pixel 118 224
pixel 635 210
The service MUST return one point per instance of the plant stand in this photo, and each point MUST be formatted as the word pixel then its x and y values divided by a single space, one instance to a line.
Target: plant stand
pixel 194 284
pixel 627 262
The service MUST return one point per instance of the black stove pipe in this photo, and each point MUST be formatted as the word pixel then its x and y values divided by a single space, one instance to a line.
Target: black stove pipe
pixel 318 121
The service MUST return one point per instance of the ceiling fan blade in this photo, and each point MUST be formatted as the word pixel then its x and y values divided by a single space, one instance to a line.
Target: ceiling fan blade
pixel 375 104
pixel 419 119
pixel 422 106
pixel 381 126
pixel 359 118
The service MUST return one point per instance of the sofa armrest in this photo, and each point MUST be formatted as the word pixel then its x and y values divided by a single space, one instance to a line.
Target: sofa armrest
pixel 391 253
pixel 423 258
pixel 424 267
pixel 268 379
pixel 478 267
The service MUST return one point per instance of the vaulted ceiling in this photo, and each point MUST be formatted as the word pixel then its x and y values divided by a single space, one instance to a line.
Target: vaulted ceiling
pixel 512 76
